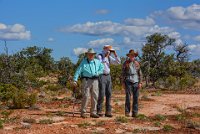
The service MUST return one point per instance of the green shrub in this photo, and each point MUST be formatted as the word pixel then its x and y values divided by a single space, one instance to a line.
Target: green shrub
pixel 100 123
pixel 121 119
pixel 142 117
pixel 157 124
pixel 32 99
pixel 168 128
pixel 6 92
pixel 46 121
pixel 160 117
pixel 84 124
pixel 54 87
pixel 180 117
pixel 5 114
pixel 19 99
pixel 1 123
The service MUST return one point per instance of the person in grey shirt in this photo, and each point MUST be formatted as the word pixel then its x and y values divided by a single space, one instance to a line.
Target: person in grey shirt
pixel 132 79
pixel 105 83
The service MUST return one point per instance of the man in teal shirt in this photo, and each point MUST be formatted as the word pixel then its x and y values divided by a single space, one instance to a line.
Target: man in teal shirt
pixel 89 70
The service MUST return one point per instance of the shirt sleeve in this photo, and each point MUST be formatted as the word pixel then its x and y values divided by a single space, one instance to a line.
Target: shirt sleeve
pixel 100 58
pixel 115 60
pixel 78 71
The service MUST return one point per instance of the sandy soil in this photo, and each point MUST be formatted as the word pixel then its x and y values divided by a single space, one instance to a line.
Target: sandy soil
pixel 61 112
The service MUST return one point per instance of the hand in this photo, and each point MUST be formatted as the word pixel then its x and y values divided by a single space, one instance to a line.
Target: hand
pixel 74 84
pixel 123 86
pixel 114 52
pixel 137 64
pixel 139 85
pixel 107 54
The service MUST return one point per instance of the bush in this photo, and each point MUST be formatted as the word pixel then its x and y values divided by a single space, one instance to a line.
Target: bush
pixel 160 117
pixel 54 87
pixel 176 83
pixel 19 99
pixel 32 99
pixel 142 117
pixel 84 124
pixel 1 124
pixel 46 121
pixel 168 128
pixel 6 92
pixel 121 119
pixel 187 81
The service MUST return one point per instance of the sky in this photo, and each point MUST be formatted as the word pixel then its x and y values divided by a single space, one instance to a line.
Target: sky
pixel 70 27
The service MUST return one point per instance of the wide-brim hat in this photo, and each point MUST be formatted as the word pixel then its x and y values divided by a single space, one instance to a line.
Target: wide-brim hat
pixel 132 52
pixel 90 51
pixel 109 47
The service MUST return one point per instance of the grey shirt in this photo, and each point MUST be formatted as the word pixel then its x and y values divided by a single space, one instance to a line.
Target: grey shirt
pixel 131 72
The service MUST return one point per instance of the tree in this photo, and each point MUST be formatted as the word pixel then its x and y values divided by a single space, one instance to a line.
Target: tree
pixel 66 70
pixel 154 56
pixel 181 52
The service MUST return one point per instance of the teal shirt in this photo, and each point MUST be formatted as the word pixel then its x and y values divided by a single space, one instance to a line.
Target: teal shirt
pixel 89 68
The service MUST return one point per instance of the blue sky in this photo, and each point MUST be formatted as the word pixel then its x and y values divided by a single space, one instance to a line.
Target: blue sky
pixel 69 27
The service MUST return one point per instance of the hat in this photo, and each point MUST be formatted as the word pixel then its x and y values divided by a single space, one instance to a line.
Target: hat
pixel 90 51
pixel 109 47
pixel 132 52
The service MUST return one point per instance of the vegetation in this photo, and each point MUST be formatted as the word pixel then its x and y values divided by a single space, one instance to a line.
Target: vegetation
pixel 46 121
pixel 22 71
pixel 121 119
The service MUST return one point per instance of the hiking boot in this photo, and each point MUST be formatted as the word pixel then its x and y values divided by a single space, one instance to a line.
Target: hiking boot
pixel 100 114
pixel 127 114
pixel 94 116
pixel 134 114
pixel 83 116
pixel 108 115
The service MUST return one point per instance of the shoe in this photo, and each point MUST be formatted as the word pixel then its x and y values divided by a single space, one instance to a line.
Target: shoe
pixel 108 115
pixel 134 114
pixel 100 114
pixel 127 114
pixel 94 116
pixel 83 116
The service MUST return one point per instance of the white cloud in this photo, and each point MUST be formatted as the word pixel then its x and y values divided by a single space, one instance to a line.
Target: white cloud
pixel 140 22
pixel 50 39
pixel 95 28
pixel 186 17
pixel 14 32
pixel 177 37
pixel 102 11
pixel 2 26
pixel 78 51
pixel 111 28
pixel 99 43
pixel 197 38
pixel 195 50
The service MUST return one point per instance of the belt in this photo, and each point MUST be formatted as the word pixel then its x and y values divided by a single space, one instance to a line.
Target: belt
pixel 106 74
pixel 92 78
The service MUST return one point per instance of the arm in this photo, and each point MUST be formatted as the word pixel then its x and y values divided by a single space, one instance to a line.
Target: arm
pixel 78 71
pixel 140 78
pixel 115 60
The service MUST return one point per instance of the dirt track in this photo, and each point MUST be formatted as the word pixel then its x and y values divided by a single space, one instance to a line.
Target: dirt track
pixel 167 105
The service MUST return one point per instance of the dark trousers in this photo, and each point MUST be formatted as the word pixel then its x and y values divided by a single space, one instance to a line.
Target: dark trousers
pixel 105 89
pixel 131 88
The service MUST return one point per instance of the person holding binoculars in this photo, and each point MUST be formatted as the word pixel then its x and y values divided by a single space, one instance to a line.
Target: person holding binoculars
pixel 105 83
